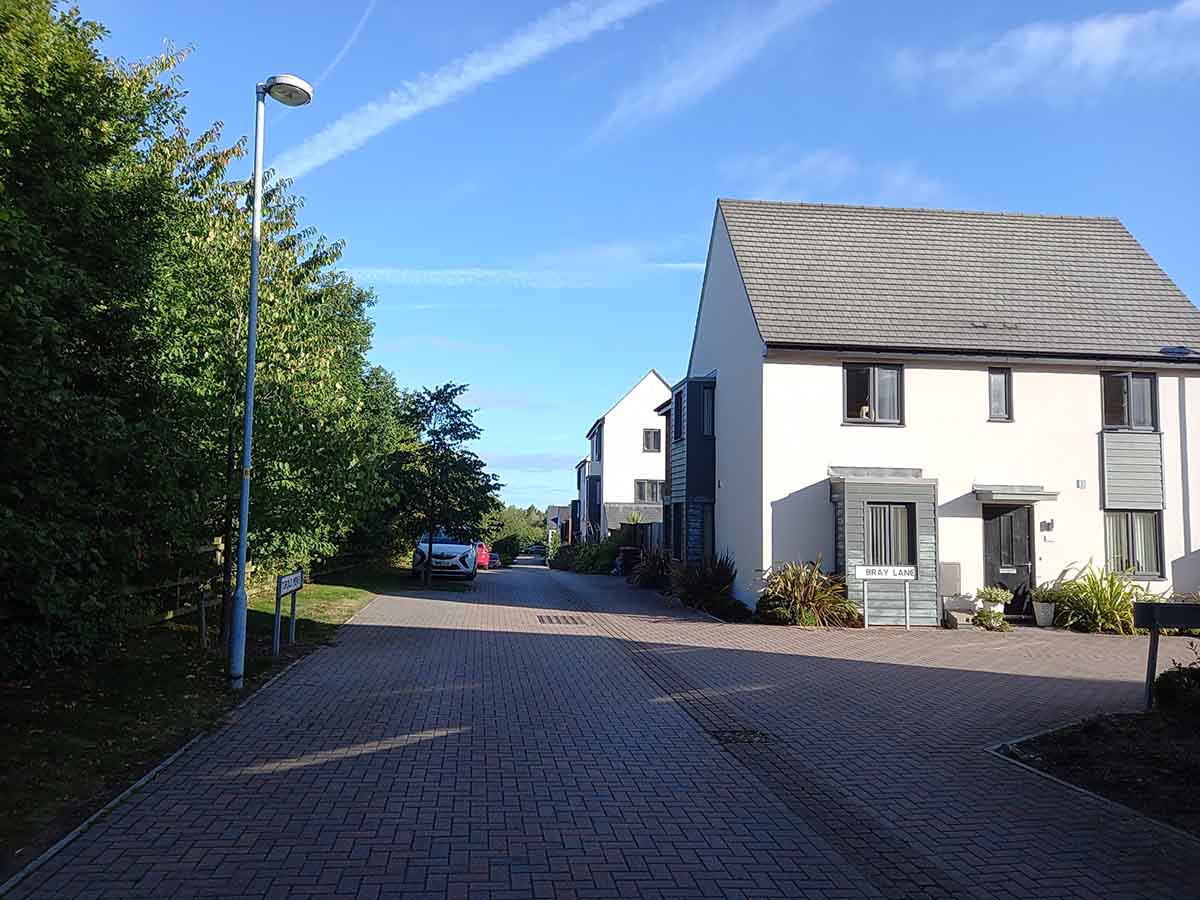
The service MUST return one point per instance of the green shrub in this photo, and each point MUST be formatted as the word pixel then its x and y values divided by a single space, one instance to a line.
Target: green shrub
pixel 1177 690
pixel 708 585
pixel 564 559
pixel 654 570
pixel 993 594
pixel 803 594
pixel 509 547
pixel 1096 600
pixel 990 620
pixel 597 559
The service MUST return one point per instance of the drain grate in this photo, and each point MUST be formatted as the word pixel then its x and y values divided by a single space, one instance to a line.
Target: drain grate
pixel 741 736
pixel 559 620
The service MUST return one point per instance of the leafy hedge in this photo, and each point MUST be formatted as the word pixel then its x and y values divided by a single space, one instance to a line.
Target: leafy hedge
pixel 803 594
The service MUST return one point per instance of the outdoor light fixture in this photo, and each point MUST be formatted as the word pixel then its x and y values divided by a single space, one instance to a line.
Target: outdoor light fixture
pixel 290 91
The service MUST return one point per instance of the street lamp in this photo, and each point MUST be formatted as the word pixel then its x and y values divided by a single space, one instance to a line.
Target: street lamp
pixel 290 91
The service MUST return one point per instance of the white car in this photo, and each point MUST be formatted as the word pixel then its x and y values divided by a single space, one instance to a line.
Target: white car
pixel 451 556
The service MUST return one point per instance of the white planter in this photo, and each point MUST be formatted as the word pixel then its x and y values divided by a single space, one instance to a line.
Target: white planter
pixel 997 608
pixel 1043 614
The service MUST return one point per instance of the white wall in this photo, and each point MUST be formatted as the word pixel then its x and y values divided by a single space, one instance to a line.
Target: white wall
pixel 727 343
pixel 1052 442
pixel 623 459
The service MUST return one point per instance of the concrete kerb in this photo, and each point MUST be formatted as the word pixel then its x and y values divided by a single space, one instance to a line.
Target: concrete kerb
pixel 65 841
pixel 997 750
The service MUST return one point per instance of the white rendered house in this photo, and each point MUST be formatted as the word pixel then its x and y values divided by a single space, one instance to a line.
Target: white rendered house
pixel 986 397
pixel 624 469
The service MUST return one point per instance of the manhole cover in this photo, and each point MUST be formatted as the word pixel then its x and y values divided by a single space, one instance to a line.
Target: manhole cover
pixel 741 736
pixel 559 620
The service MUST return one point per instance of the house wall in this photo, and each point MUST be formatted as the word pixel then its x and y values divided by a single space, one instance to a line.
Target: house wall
pixel 1053 441
pixel 727 344
pixel 624 461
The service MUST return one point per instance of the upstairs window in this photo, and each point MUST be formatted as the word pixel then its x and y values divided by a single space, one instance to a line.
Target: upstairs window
pixel 891 534
pixel 873 394
pixel 1000 395
pixel 677 417
pixel 647 491
pixel 1129 401
pixel 708 405
pixel 651 440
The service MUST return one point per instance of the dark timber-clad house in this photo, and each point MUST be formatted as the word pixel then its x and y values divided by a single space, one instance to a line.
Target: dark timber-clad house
pixel 910 393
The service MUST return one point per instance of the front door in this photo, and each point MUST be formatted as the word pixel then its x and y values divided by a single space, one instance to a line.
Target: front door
pixel 1008 552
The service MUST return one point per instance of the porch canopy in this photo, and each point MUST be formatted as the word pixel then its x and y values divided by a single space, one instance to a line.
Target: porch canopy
pixel 1013 493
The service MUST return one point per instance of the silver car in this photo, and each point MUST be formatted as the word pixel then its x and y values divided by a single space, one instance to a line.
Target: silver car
pixel 451 556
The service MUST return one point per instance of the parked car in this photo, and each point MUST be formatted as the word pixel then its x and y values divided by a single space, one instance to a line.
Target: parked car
pixel 483 555
pixel 536 550
pixel 494 561
pixel 451 556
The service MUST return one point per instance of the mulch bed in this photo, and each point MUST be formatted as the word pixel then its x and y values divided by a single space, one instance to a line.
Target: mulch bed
pixel 1147 761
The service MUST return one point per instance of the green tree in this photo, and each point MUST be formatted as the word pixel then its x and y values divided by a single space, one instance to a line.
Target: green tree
pixel 447 482
pixel 88 464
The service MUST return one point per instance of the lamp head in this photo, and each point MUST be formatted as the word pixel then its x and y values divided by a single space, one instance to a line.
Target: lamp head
pixel 290 90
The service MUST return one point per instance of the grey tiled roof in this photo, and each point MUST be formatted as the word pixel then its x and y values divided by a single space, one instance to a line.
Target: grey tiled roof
pixel 939 280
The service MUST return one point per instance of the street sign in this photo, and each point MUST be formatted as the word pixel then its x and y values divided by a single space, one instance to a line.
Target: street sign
pixel 289 583
pixel 886 573
pixel 867 574
pixel 286 584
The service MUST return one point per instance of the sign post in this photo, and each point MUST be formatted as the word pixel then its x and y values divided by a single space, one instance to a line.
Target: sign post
pixel 867 574
pixel 1157 616
pixel 286 584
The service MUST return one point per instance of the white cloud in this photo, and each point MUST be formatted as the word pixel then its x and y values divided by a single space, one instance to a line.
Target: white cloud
pixel 1061 60
pixel 350 42
pixel 831 176
pixel 588 266
pixel 706 61
pixel 473 276
pixel 568 24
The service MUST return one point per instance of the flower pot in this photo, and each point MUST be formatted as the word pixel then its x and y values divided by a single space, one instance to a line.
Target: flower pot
pixel 1043 614
pixel 997 608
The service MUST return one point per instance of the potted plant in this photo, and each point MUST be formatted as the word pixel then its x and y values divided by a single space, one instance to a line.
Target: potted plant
pixel 992 599
pixel 1045 597
pixel 989 608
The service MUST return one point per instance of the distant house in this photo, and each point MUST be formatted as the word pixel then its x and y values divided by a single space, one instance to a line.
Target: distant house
pixel 558 521
pixel 967 398
pixel 621 478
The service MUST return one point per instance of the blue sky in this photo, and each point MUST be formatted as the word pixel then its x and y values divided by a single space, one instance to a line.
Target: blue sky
pixel 530 187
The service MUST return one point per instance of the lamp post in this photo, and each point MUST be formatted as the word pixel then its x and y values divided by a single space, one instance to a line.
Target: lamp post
pixel 290 91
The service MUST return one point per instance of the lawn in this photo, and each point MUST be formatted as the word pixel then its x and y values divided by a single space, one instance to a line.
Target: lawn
pixel 71 739
pixel 1147 761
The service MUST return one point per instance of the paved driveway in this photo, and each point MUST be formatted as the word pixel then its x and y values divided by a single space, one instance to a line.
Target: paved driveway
pixel 555 735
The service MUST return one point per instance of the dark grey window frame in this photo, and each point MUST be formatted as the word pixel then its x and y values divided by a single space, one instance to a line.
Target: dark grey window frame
pixel 874 369
pixel 1128 514
pixel 638 482
pixel 1008 393
pixel 708 410
pixel 677 416
pixel 655 446
pixel 910 511
pixel 1152 377
pixel 708 531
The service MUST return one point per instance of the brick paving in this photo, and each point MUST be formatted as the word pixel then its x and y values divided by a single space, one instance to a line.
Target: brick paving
pixel 456 745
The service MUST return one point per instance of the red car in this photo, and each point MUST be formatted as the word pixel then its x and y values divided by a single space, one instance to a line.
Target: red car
pixel 482 555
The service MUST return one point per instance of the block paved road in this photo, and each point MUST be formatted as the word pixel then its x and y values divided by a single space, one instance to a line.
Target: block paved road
pixel 558 735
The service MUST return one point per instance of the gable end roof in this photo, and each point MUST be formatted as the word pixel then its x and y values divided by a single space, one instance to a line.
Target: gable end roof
pixel 855 276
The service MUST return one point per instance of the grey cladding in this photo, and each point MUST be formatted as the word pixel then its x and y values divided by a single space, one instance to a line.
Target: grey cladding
pixel 1133 469
pixel 959 281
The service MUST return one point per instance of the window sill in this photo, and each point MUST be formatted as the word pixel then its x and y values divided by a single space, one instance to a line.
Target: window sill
pixel 863 423
pixel 1125 429
pixel 1001 421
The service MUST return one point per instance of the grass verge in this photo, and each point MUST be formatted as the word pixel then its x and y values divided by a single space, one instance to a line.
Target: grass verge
pixel 73 738
pixel 1147 761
